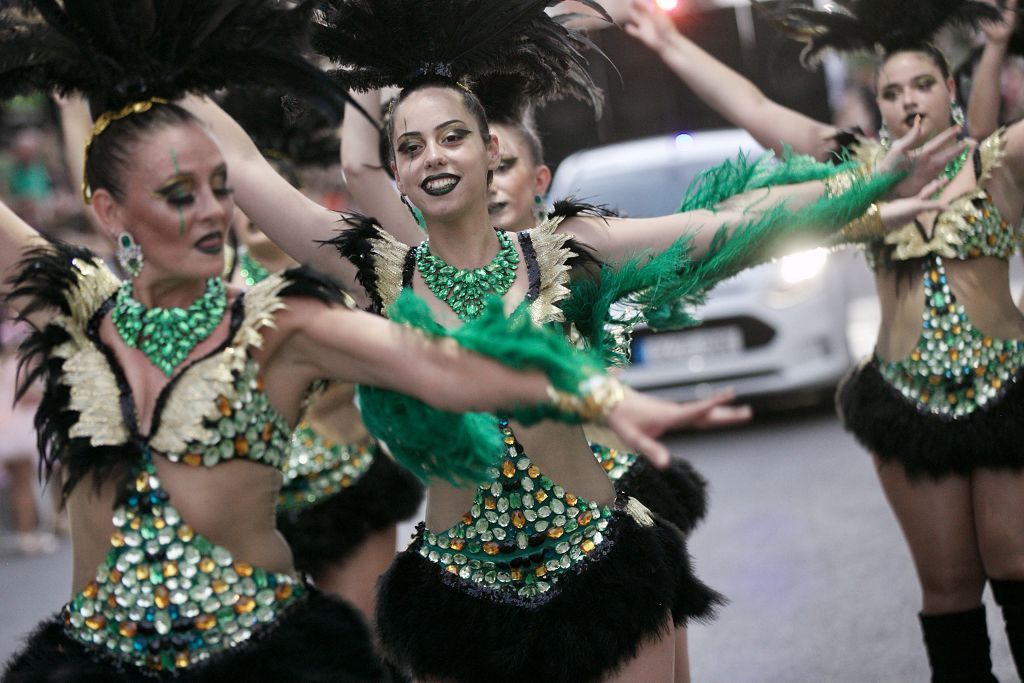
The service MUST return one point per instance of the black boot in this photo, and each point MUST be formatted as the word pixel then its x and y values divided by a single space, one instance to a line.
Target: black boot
pixel 1010 596
pixel 958 647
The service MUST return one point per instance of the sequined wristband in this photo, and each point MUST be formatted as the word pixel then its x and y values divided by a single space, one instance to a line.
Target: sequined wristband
pixel 840 182
pixel 594 400
pixel 867 227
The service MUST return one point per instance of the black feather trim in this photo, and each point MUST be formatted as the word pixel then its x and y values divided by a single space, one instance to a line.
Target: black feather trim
pixel 329 531
pixel 44 281
pixel 321 640
pixel 927 445
pixel 303 281
pixel 117 53
pixel 353 243
pixel 677 493
pixel 593 621
pixel 455 40
pixel 851 25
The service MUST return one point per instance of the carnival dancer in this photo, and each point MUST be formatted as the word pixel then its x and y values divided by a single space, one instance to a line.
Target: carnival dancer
pixel 938 400
pixel 517 202
pixel 538 572
pixel 170 398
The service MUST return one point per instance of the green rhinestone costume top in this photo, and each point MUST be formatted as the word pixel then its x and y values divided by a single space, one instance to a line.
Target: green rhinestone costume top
pixel 318 468
pixel 955 369
pixel 165 598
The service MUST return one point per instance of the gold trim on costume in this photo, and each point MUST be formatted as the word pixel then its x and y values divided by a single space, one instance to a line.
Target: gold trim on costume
pixel 197 393
pixel 94 392
pixel 552 262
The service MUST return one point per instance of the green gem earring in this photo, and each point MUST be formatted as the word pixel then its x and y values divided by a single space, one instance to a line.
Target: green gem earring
pixel 129 254
pixel 540 212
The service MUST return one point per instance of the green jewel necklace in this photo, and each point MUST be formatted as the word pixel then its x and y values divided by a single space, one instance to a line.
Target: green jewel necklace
pixel 251 270
pixel 168 335
pixel 465 289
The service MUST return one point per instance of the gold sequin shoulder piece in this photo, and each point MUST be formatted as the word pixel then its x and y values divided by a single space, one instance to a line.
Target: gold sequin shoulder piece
pixel 389 265
pixel 992 151
pixel 94 393
pixel 553 263
pixel 196 396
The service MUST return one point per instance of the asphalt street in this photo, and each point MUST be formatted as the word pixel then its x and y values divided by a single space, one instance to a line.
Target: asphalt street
pixel 799 538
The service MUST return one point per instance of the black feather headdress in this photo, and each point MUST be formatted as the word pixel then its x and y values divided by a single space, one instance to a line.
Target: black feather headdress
pixel 117 52
pixel 852 25
pixel 379 43
pixel 281 129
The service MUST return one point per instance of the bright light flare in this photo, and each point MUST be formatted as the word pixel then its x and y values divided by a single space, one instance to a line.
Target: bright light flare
pixel 667 5
pixel 797 268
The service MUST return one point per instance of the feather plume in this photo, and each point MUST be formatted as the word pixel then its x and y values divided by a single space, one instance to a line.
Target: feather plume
pixel 379 43
pixel 297 134
pixel 117 52
pixel 851 25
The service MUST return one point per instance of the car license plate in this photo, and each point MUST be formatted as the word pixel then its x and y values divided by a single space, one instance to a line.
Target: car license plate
pixel 672 346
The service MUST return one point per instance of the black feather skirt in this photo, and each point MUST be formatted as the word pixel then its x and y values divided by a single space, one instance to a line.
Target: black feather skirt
pixel 927 445
pixel 328 532
pixel 322 639
pixel 677 493
pixel 595 618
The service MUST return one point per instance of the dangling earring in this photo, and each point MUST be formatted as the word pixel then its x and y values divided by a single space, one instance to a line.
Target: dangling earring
pixel 540 212
pixel 957 113
pixel 416 213
pixel 129 254
pixel 884 136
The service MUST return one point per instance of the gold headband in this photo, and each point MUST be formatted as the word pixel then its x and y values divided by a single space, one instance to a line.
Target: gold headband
pixel 100 125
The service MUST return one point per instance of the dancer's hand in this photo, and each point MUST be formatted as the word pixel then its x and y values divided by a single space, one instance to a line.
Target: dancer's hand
pixel 1000 32
pixel 640 419
pixel 897 213
pixel 650 25
pixel 924 161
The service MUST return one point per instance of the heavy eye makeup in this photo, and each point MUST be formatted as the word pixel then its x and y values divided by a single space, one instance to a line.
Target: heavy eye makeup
pixel 507 164
pixel 179 190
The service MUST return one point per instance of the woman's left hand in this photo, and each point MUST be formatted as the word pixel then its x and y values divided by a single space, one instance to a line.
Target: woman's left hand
pixel 639 419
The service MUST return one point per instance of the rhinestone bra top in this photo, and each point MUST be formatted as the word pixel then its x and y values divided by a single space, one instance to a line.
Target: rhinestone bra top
pixel 317 468
pixel 214 409
pixel 955 369
pixel 971 228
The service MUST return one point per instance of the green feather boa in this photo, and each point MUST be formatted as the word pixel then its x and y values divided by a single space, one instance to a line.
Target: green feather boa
pixel 665 289
pixel 461 448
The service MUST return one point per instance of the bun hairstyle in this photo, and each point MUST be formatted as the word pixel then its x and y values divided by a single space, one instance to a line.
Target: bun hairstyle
pixel 132 58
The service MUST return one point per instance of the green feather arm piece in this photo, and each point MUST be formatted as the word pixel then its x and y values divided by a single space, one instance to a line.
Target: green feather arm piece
pixel 462 448
pixel 664 289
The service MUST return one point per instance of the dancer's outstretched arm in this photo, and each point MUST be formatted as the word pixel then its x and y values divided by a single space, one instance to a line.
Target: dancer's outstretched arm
pixel 729 93
pixel 983 106
pixel 367 181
